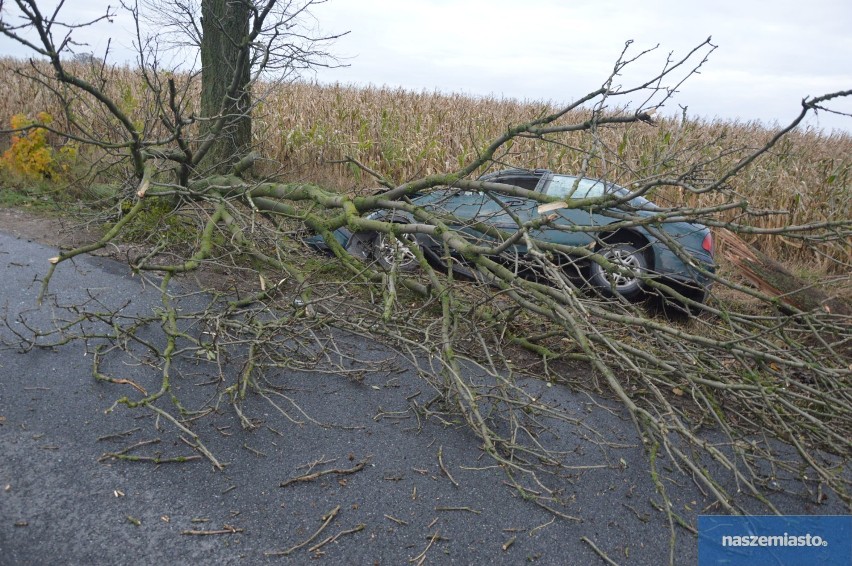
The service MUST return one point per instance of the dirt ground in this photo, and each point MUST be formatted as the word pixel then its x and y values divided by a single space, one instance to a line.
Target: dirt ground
pixel 44 228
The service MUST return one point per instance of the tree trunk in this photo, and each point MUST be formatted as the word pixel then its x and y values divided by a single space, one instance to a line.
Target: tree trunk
pixel 225 75
pixel 774 279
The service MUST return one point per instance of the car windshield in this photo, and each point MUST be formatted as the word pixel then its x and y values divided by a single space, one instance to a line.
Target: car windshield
pixel 564 186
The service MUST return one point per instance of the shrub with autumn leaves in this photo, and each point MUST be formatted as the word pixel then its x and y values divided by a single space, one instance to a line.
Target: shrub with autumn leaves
pixel 31 155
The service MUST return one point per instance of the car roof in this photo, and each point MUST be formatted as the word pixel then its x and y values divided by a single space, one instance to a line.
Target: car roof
pixel 539 174
pixel 531 173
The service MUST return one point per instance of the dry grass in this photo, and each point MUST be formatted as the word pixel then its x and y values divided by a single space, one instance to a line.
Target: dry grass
pixel 303 129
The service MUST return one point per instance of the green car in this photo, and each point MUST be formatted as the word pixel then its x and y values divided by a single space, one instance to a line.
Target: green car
pixel 631 233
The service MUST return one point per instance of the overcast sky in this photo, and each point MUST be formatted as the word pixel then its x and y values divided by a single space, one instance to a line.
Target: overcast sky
pixel 771 53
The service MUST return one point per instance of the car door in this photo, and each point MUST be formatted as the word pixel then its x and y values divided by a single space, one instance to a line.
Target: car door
pixel 456 203
pixel 490 208
pixel 462 209
pixel 508 212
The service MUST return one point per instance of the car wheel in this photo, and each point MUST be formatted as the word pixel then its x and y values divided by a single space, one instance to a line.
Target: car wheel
pixel 388 250
pixel 628 285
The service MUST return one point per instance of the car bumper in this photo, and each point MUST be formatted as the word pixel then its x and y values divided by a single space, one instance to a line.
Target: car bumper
pixel 696 273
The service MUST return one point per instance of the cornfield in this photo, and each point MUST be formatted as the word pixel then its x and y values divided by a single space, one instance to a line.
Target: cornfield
pixel 308 131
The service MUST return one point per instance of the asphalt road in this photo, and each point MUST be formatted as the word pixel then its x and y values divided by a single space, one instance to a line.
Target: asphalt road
pixel 60 502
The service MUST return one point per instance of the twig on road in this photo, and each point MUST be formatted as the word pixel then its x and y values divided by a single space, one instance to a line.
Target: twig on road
pixel 310 477
pixel 327 518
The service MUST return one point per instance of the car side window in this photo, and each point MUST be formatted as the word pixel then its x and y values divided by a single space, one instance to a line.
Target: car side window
pixel 564 187
pixel 525 182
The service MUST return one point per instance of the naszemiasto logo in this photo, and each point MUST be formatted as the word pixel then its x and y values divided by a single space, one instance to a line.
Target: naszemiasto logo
pixel 779 540
pixel 774 540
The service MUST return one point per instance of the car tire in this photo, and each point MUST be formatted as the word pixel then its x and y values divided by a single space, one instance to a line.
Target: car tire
pixel 625 255
pixel 388 250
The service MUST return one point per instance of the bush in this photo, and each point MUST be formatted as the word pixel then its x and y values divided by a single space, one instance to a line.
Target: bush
pixel 31 156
